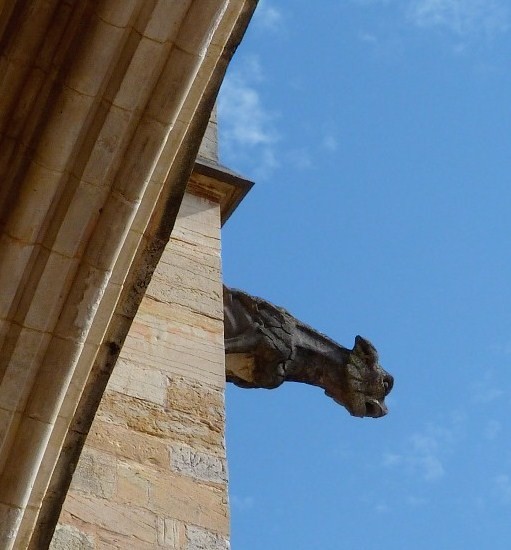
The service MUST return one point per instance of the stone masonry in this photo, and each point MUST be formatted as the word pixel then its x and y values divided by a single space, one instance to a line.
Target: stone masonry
pixel 153 472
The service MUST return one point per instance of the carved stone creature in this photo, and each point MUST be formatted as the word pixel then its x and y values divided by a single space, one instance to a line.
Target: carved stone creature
pixel 266 346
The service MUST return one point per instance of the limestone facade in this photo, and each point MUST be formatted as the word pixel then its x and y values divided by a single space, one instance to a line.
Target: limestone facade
pixel 153 472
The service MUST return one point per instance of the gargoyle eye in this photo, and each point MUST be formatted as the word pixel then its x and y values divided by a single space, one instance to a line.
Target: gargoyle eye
pixel 385 386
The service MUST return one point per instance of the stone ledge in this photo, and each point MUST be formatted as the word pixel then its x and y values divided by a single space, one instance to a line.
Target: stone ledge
pixel 219 184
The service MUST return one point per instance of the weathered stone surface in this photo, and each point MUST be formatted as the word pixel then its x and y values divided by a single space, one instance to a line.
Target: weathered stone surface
pixel 188 461
pixel 154 461
pixel 95 474
pixel 209 146
pixel 200 539
pixel 137 380
pixel 177 342
pixel 100 514
pixel 133 486
pixel 190 501
pixel 107 540
pixel 176 422
pixel 172 534
pixel 125 443
pixel 67 537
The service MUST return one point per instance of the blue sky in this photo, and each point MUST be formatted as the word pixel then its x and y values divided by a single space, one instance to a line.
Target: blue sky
pixel 379 136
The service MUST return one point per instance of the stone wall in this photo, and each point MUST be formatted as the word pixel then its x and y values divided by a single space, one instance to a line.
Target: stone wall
pixel 153 472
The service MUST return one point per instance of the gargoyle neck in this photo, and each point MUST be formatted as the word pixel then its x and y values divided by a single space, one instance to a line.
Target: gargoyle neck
pixel 314 354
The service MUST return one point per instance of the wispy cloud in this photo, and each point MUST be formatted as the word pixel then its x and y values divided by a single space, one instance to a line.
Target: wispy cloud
pixel 424 453
pixel 267 16
pixel 488 389
pixel 461 17
pixel 464 20
pixel 247 128
pixel 420 457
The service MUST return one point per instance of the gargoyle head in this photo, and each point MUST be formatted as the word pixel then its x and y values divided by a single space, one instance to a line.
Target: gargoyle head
pixel 366 384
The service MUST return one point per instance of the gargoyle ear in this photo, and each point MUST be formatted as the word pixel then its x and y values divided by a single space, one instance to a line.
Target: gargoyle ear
pixel 366 351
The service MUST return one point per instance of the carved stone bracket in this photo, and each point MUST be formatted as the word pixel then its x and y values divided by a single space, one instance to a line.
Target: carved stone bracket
pixel 266 346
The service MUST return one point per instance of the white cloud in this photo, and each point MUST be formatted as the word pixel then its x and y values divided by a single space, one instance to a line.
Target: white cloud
pixel 246 128
pixel 268 17
pixel 246 122
pixel 461 17
pixel 267 164
pixel 424 453
pixel 421 457
pixel 487 389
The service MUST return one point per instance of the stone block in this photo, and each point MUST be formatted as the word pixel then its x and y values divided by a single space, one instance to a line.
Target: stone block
pixel 92 68
pixel 54 271
pixel 162 26
pixel 27 348
pixel 9 516
pixel 201 539
pixel 137 380
pixel 67 537
pixel 125 443
pixel 175 423
pixel 35 198
pixel 187 500
pixel 173 340
pixel 188 461
pixel 78 221
pixel 133 484
pixel 135 523
pixel 140 77
pixel 64 128
pixel 107 152
pixel 95 474
pixel 171 534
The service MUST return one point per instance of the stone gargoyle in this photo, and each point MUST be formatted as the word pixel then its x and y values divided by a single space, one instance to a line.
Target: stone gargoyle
pixel 266 346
